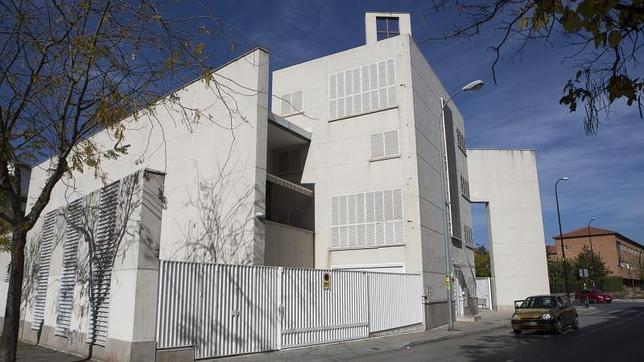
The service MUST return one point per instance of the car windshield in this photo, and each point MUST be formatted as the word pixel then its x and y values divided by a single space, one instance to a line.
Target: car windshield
pixel 597 290
pixel 538 302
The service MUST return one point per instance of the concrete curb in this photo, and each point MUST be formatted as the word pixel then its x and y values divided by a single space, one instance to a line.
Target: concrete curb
pixel 628 300
pixel 457 334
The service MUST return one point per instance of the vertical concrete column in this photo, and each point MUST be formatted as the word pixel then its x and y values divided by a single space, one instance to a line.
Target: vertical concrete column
pixel 133 298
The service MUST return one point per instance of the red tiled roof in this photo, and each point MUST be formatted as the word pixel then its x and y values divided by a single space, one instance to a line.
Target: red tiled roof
pixel 584 231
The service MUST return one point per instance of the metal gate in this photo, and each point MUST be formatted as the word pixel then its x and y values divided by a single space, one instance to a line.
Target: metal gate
pixel 317 313
pixel 217 309
pixel 222 310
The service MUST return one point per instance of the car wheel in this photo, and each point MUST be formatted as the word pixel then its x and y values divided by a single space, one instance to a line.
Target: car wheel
pixel 609 301
pixel 575 323
pixel 517 331
pixel 557 326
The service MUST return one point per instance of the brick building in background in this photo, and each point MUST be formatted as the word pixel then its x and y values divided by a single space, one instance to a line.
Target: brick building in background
pixel 623 257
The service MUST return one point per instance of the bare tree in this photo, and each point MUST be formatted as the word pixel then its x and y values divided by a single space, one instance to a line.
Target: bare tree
pixel 602 36
pixel 69 69
pixel 220 232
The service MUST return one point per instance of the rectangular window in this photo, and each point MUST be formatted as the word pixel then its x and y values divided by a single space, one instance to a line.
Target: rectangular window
pixel 387 26
pixel 291 103
pixel 367 219
pixel 384 144
pixel 362 89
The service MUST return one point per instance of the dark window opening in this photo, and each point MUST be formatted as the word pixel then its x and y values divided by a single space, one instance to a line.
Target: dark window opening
pixel 386 27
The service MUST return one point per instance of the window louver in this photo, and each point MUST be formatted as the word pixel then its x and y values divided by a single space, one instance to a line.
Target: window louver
pixel 362 89
pixel 105 235
pixel 384 144
pixel 68 279
pixel 367 219
pixel 46 245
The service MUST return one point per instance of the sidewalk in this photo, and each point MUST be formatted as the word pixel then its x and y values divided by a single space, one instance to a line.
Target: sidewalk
pixel 30 352
pixel 490 320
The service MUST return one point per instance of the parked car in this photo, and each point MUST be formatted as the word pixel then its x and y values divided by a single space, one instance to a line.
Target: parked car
pixel 544 313
pixel 595 295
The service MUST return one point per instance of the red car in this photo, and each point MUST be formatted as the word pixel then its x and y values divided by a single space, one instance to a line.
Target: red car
pixel 594 296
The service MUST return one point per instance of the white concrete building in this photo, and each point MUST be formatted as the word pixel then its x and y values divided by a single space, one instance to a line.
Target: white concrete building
pixel 508 183
pixel 344 173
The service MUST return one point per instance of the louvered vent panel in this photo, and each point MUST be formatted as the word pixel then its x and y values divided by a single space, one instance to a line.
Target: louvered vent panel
pixel 296 101
pixel 367 219
pixel 68 278
pixel 360 208
pixel 351 202
pixel 335 237
pixel 105 234
pixel 286 104
pixel 380 233
pixel 391 143
pixel 388 205
pixel 391 72
pixel 378 206
pixel 361 89
pixel 389 232
pixel 377 145
pixel 382 75
pixel 397 204
pixel 48 236
pixel 369 205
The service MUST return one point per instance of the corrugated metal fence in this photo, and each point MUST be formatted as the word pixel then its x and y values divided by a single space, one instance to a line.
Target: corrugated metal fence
pixel 231 309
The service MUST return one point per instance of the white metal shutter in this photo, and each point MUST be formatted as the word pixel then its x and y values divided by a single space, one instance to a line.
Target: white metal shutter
pixel 68 278
pixel 48 235
pixel 286 104
pixel 102 265
pixel 391 143
pixel 377 145
pixel 296 102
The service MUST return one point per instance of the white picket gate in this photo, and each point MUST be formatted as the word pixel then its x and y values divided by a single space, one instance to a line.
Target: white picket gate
pixel 222 310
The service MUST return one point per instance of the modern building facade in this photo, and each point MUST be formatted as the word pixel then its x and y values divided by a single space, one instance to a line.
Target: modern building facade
pixel 507 182
pixel 375 160
pixel 622 256
pixel 346 172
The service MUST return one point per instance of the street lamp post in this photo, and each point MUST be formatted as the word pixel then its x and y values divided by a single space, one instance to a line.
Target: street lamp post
pixel 590 240
pixel 563 251
pixel 590 237
pixel 472 86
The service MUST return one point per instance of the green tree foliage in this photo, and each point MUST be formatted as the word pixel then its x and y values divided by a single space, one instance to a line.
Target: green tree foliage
pixel 601 39
pixel 482 262
pixel 592 261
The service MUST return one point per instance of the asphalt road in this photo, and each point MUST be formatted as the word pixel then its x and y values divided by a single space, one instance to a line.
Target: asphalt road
pixel 612 332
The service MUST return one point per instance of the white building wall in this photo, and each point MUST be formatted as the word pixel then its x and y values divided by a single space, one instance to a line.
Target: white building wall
pixel 507 180
pixel 223 151
pixel 427 92
pixel 339 160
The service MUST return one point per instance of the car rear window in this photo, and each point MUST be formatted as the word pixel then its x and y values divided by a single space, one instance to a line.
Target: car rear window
pixel 538 302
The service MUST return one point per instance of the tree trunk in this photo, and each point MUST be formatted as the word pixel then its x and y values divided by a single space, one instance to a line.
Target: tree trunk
pixel 9 339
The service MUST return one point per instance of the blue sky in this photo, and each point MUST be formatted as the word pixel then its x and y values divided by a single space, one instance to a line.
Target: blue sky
pixel 606 171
